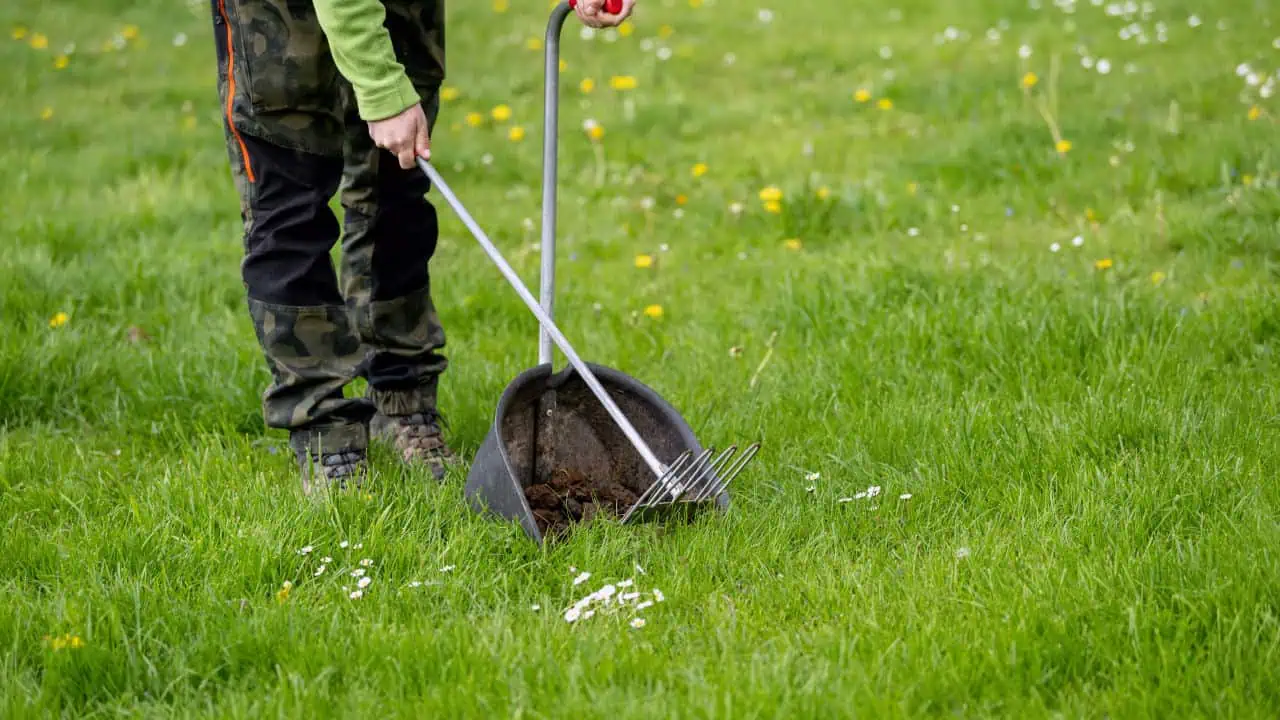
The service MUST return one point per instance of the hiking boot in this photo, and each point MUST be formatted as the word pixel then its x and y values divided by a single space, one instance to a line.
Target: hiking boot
pixel 417 438
pixel 331 457
pixel 332 471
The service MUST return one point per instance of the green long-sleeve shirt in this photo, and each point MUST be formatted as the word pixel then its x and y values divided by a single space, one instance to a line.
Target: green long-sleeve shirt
pixel 362 51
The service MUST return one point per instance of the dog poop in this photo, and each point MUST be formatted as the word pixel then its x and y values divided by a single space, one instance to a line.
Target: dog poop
pixel 569 496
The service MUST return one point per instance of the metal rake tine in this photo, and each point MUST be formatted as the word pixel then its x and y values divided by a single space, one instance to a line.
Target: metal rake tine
pixel 645 499
pixel 690 472
pixel 707 477
pixel 680 474
pixel 695 478
pixel 707 489
pixel 735 469
pixel 668 479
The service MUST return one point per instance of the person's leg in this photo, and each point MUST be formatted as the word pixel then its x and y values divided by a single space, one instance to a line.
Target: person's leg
pixel 390 235
pixel 283 129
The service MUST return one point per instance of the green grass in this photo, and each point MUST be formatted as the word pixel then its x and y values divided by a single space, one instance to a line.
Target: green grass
pixel 1091 450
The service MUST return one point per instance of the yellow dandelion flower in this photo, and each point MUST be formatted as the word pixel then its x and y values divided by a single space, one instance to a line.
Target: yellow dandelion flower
pixel 449 93
pixel 587 85
pixel 771 194
pixel 46 113
pixel 1029 80
pixel 563 66
pixel 653 311
pixel 61 62
pixel 1063 147
pixel 1157 277
pixel 644 261
pixel 534 43
pixel 1255 112
pixel 283 593
pixel 862 95
pixel 502 113
pixel 1246 180
pixel 67 640
pixel 824 192
pixel 500 6
pixel 699 169
pixel 129 32
pixel 695 3
pixel 39 41
pixel 19 33
pixel 515 134
pixel 475 119
pixel 622 82
pixel 681 199
pixel 626 28
pixel 912 188
pixel 885 104
pixel 792 243
pixel 665 31
pixel 1090 215
pixel 1103 264
pixel 58 320
pixel 773 206
pixel 596 131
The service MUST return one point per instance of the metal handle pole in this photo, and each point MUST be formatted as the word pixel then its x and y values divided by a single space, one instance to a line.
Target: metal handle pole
pixel 550 121
pixel 548 325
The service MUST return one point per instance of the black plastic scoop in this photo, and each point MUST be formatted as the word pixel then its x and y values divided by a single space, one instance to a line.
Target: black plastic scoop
pixel 566 446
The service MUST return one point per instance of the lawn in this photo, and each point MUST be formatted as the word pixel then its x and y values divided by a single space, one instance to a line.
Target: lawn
pixel 993 282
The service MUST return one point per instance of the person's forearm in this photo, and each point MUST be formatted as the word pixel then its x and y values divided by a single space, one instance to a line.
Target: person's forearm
pixel 364 55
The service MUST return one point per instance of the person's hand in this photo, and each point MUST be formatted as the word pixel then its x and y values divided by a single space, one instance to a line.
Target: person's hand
pixel 592 13
pixel 404 135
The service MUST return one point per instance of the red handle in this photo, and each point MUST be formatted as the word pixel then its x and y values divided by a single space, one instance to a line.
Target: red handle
pixel 613 7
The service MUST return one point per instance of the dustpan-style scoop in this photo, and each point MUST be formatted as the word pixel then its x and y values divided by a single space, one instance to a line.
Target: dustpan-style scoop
pixel 548 423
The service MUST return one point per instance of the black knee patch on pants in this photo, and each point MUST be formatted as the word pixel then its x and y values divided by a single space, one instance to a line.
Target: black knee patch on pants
pixel 394 229
pixel 406 233
pixel 293 229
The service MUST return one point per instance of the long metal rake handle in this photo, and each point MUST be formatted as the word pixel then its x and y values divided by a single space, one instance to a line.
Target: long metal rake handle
pixel 550 146
pixel 659 470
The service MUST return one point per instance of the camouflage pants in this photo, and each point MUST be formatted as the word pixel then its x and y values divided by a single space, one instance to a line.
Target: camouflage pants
pixel 294 140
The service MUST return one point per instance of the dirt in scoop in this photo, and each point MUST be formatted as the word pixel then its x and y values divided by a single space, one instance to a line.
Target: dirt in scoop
pixel 569 496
